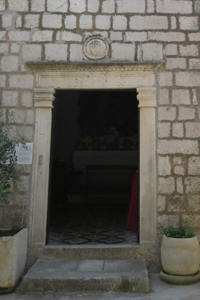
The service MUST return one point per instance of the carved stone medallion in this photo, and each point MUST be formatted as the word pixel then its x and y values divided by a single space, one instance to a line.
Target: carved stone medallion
pixel 96 48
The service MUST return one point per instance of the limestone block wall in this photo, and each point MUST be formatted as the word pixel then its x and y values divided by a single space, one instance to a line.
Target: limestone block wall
pixel 137 30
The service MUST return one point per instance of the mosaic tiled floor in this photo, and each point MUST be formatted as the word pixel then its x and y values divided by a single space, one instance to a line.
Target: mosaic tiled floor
pixel 91 225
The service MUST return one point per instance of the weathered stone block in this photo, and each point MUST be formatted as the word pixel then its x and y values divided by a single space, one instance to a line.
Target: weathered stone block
pixel 186 113
pixel 6 20
pixel 171 49
pixel 166 113
pixel 194 165
pixel 2 35
pixel 2 5
pixel 163 130
pixel 129 6
pixel 29 117
pixel 176 63
pixel 164 166
pixel 181 96
pixel 3 115
pixel 179 185
pixel 194 63
pixel 2 81
pixel 166 36
pixel 178 146
pixel 21 81
pixel 76 52
pixel 189 23
pixel 148 22
pixel 18 21
pixel 14 48
pixel 31 21
pixel 16 116
pixel 194 203
pixel 27 99
pixel 161 203
pixel 165 78
pixel 189 50
pixel 20 36
pixel 194 37
pixel 174 7
pixel 18 5
pixel 123 51
pixel 192 129
pixel 70 22
pixel 93 6
pixel 166 185
pixel 168 220
pixel 57 6
pixel 163 97
pixel 56 52
pixel 103 22
pixel 37 5
pixel 52 21
pixel 179 170
pixel 187 79
pixel 150 6
pixel 135 36
pixel 177 130
pixel 70 36
pixel 42 36
pixel 4 48
pixel 177 203
pixel 108 6
pixel 116 35
pixel 152 51
pixel 86 22
pixel 192 184
pixel 9 63
pixel 10 98
pixel 77 6
pixel 31 53
pixel 119 23
pixel 173 22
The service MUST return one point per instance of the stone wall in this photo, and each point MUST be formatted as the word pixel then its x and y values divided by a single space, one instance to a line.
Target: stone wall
pixel 137 30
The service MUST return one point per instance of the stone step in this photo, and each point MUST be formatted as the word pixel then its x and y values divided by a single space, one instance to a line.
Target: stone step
pixel 87 275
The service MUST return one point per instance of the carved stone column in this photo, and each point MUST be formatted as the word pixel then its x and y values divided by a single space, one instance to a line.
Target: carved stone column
pixel 43 103
pixel 147 105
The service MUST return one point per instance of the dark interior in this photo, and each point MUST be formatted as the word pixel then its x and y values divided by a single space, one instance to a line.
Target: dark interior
pixel 94 165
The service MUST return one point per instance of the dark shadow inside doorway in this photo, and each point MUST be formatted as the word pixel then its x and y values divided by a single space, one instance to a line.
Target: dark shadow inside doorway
pixel 94 159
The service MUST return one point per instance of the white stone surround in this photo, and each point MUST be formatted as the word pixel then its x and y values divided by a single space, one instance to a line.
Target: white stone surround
pixel 93 76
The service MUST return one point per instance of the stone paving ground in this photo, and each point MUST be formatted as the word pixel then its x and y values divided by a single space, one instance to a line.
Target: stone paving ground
pixel 159 291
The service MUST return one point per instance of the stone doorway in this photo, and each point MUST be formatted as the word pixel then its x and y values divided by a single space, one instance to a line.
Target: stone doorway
pixel 94 168
pixel 93 76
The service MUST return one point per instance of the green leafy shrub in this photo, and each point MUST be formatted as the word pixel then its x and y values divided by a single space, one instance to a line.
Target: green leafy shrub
pixel 8 161
pixel 178 232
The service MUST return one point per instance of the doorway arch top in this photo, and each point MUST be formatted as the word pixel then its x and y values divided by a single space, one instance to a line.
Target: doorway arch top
pixel 51 76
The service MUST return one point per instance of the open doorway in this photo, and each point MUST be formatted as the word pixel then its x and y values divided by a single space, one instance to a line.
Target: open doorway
pixel 93 188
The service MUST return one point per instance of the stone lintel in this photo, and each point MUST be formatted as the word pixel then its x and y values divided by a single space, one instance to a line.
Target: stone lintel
pixel 91 66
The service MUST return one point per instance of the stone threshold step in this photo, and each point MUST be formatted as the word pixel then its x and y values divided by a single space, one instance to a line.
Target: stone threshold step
pixel 87 275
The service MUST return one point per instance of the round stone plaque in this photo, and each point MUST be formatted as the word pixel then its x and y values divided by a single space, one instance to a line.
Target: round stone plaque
pixel 95 48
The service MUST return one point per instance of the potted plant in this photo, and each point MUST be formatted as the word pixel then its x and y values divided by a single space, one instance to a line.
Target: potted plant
pixel 13 243
pixel 180 256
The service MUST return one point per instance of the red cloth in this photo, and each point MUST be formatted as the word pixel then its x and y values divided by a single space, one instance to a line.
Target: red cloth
pixel 132 219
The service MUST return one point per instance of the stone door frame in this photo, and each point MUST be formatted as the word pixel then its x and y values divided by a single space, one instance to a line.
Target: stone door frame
pixel 93 76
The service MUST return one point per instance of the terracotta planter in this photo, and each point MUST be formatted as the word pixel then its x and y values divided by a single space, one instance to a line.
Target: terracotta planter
pixel 180 256
pixel 13 253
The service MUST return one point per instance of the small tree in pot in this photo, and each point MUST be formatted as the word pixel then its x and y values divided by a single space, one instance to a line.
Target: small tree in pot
pixel 180 256
pixel 13 244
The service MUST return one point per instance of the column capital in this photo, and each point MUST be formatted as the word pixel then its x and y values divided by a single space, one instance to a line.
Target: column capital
pixel 44 98
pixel 146 97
